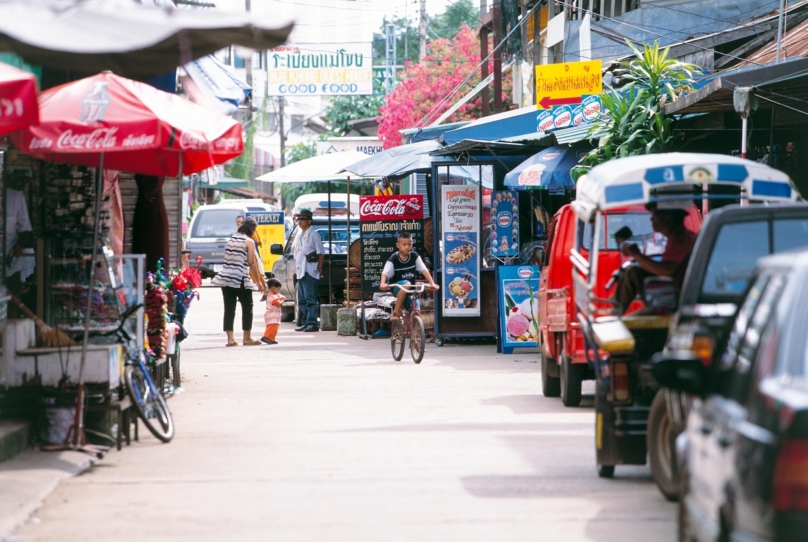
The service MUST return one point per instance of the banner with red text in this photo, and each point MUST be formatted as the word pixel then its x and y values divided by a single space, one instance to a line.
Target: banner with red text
pixel 460 206
pixel 382 218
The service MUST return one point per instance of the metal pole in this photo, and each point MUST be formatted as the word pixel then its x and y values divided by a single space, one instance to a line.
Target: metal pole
pixel 743 136
pixel 330 248
pixel 179 218
pixel 348 233
pixel 78 433
pixel 780 28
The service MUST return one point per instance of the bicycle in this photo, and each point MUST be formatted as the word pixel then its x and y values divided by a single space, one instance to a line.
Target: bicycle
pixel 409 326
pixel 145 395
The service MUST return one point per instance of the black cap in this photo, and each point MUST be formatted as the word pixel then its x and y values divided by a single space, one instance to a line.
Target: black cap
pixel 304 213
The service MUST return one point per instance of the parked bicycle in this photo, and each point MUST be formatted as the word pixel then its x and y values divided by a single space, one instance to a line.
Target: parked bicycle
pixel 409 326
pixel 145 395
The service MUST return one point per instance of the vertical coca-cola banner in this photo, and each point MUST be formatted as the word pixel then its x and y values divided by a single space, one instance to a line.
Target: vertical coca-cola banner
pixel 382 217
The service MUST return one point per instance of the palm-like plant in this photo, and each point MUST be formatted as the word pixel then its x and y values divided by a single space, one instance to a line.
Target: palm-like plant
pixel 632 120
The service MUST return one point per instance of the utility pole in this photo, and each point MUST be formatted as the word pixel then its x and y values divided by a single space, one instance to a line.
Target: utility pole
pixel 281 131
pixel 496 23
pixel 422 32
pixel 248 61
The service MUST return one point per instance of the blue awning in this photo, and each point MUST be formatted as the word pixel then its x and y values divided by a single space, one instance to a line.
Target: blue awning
pixel 215 80
pixel 495 127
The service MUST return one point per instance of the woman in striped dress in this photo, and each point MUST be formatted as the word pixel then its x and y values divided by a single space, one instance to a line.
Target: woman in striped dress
pixel 239 259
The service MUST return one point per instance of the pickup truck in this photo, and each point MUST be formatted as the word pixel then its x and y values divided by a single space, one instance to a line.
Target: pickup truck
pixel 284 267
pixel 729 245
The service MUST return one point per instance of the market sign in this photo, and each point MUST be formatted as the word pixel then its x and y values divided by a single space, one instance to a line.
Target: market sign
pixel 518 306
pixel 460 207
pixel 381 218
pixel 332 69
pixel 566 84
pixel 271 229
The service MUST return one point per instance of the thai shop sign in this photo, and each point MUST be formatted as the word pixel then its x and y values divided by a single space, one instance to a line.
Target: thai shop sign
pixel 330 69
pixel 271 229
pixel 518 306
pixel 504 224
pixel 381 218
pixel 568 94
pixel 460 206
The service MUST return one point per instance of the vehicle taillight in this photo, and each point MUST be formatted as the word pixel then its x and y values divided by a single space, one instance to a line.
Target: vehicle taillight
pixel 620 382
pixel 703 348
pixel 790 483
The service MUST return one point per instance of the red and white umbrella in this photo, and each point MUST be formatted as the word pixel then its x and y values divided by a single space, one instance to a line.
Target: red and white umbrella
pixel 135 126
pixel 18 105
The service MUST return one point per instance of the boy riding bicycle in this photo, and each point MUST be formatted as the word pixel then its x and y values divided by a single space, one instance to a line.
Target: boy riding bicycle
pixel 400 270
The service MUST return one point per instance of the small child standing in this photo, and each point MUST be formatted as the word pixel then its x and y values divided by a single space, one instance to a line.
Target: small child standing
pixel 272 316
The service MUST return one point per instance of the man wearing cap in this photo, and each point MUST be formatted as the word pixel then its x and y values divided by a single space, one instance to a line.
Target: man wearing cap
pixel 307 242
pixel 671 224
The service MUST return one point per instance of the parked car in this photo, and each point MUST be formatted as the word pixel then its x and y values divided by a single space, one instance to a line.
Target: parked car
pixel 211 227
pixel 337 245
pixel 732 240
pixel 744 452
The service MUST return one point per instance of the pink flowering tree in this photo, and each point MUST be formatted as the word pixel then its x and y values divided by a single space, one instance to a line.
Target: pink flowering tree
pixel 425 85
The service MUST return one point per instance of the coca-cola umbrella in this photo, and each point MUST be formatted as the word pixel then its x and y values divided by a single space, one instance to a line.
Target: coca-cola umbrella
pixel 18 105
pixel 113 122
pixel 135 126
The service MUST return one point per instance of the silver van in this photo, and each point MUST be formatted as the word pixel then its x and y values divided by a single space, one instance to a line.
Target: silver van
pixel 211 227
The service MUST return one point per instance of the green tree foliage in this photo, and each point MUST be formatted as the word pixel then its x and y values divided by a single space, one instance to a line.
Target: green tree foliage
pixel 301 151
pixel 343 109
pixel 633 121
pixel 459 13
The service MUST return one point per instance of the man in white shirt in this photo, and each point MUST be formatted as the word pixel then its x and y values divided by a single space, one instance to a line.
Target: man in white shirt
pixel 18 237
pixel 307 241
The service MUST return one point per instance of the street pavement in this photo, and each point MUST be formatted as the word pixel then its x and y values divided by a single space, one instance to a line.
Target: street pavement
pixel 326 438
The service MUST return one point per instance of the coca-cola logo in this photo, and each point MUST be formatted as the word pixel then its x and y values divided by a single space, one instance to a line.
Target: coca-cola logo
pixel 192 142
pixel 391 207
pixel 99 139
pixel 227 144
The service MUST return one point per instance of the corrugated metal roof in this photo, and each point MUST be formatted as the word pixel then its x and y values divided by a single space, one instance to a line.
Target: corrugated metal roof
pixel 795 44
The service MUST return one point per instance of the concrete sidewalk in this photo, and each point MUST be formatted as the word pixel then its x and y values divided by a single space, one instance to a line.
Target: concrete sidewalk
pixel 324 437
pixel 27 479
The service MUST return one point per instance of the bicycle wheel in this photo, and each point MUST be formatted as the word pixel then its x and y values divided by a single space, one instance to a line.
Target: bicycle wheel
pixel 417 339
pixel 397 339
pixel 149 402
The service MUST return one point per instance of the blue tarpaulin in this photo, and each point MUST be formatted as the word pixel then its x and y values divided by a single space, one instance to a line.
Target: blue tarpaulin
pixel 216 80
pixel 494 127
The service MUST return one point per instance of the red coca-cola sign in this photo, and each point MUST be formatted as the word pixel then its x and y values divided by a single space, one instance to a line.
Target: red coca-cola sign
pixel 405 207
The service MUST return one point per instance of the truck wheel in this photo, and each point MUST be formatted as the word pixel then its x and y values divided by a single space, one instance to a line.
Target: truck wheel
pixel 571 377
pixel 662 448
pixel 550 385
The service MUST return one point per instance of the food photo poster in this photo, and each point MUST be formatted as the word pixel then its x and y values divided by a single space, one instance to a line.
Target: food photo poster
pixel 461 255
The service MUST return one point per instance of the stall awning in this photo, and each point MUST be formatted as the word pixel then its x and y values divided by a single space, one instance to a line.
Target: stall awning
pixel 414 135
pixel 496 127
pixel 785 83
pixel 225 183
pixel 218 84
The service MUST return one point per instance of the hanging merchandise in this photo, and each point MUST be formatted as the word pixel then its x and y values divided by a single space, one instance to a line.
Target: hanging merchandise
pixel 157 314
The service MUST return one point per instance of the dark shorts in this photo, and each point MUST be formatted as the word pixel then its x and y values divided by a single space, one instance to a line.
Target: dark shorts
pixel 407 299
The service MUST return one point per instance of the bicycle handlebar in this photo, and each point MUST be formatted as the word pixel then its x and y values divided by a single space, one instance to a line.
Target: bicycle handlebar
pixel 124 317
pixel 414 288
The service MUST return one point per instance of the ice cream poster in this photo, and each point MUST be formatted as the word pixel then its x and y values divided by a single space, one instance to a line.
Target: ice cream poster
pixel 504 224
pixel 519 306
pixel 461 254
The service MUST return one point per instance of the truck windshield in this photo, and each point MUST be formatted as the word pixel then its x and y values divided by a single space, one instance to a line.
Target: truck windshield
pixel 339 241
pixel 213 223
pixel 639 222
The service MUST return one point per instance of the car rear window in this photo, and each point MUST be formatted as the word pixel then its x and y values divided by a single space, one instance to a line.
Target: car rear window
pixel 790 234
pixel 641 232
pixel 338 238
pixel 213 223
pixel 739 246
pixel 734 255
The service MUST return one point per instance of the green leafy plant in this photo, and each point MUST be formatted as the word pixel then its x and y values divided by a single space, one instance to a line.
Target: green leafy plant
pixel 633 121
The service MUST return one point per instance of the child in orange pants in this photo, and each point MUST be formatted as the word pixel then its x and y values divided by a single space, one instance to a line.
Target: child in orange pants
pixel 272 316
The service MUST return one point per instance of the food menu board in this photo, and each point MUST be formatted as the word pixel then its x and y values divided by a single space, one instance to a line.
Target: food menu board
pixel 381 218
pixel 460 206
pixel 518 306
pixel 504 224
